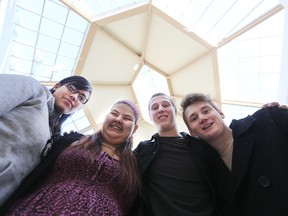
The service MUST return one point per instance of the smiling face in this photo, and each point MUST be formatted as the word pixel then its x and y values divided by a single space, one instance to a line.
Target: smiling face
pixel 65 101
pixel 119 124
pixel 204 121
pixel 162 113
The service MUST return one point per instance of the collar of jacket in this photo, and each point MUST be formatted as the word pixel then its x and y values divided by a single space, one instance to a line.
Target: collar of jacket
pixel 241 125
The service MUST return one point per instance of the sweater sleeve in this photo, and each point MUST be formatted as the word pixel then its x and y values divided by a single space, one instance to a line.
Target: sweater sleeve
pixel 16 89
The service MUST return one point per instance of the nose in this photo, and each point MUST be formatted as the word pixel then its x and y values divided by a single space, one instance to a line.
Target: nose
pixel 118 118
pixel 74 96
pixel 161 109
pixel 202 118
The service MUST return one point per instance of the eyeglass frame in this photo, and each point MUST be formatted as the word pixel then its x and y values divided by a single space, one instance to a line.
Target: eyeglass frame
pixel 74 90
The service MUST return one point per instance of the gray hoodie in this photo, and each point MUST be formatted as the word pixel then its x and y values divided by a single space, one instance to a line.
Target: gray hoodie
pixel 25 105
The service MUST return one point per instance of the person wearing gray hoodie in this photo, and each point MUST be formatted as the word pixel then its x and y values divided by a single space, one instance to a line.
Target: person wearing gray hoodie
pixel 30 114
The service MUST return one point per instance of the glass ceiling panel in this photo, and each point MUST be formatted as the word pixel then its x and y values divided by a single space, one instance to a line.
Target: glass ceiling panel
pixel 34 6
pixel 41 36
pixel 20 66
pixel 23 51
pixel 153 82
pixel 26 36
pixel 52 28
pixel 93 9
pixel 214 20
pixel 77 122
pixel 250 65
pixel 28 19
pixel 236 112
pixel 55 12
pixel 250 61
pixel 46 43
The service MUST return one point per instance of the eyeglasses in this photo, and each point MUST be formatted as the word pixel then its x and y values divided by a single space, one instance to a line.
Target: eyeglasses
pixel 81 97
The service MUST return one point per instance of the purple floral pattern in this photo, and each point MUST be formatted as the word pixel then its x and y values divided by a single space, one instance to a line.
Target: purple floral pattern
pixel 79 185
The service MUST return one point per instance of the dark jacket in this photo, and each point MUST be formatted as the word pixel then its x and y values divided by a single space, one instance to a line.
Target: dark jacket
pixel 260 164
pixel 206 159
pixel 39 171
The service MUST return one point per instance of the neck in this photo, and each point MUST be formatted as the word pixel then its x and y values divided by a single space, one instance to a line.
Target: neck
pixel 224 146
pixel 169 133
pixel 110 149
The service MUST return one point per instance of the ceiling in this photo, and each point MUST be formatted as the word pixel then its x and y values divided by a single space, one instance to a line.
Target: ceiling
pixel 143 47
pixel 152 39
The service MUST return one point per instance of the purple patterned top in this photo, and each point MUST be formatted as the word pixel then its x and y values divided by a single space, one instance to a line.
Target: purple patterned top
pixel 78 186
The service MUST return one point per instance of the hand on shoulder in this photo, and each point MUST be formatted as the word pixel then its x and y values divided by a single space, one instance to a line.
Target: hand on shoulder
pixel 274 104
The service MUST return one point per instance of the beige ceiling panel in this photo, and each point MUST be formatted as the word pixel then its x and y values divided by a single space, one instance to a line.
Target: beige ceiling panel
pixel 130 31
pixel 169 48
pixel 144 131
pixel 109 62
pixel 199 76
pixel 103 98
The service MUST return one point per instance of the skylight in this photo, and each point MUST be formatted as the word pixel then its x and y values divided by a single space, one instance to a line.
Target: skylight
pixel 45 43
pixel 146 84
pixel 215 20
pixel 47 40
pixel 94 9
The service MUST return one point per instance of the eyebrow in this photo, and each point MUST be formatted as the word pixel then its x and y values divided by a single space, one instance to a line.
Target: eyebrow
pixel 84 93
pixel 123 114
pixel 164 101
pixel 206 106
pixel 201 109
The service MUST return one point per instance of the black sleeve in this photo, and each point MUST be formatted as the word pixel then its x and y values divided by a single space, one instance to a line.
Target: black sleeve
pixel 40 170
pixel 280 117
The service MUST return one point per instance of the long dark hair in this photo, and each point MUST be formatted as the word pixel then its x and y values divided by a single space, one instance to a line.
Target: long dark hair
pixel 124 152
pixel 127 159
pixel 80 83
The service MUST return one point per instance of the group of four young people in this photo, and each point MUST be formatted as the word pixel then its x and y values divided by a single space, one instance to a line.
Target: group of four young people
pixel 180 174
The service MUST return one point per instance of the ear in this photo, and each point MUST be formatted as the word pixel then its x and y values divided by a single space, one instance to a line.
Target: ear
pixel 135 128
pixel 57 85
pixel 221 114
pixel 192 133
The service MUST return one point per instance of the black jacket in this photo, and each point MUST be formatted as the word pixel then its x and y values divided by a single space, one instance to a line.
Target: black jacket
pixel 39 171
pixel 260 164
pixel 206 159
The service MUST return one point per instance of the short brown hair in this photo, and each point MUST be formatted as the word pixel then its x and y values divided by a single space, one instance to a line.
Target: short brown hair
pixel 162 94
pixel 192 98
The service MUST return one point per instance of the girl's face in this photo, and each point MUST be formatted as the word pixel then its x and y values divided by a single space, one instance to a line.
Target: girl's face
pixel 66 101
pixel 119 124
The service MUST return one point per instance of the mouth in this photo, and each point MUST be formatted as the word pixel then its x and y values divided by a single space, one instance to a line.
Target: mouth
pixel 205 127
pixel 162 117
pixel 69 102
pixel 116 127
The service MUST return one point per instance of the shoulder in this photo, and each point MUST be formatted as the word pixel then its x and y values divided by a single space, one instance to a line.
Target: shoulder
pixel 147 146
pixel 13 79
pixel 25 85
pixel 261 117
pixel 152 140
pixel 270 112
pixel 267 115
pixel 195 141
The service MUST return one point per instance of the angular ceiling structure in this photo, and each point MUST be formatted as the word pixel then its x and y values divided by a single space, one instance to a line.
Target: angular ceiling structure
pixel 118 47
pixel 138 48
